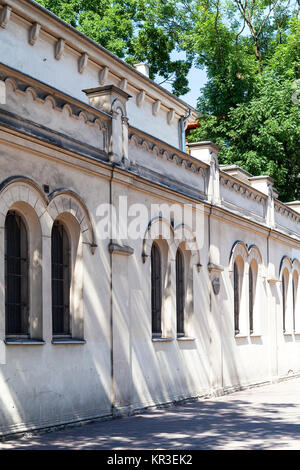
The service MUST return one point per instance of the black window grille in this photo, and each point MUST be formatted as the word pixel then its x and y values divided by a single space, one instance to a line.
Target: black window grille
pixel 60 253
pixel 16 276
pixel 236 288
pixel 251 299
pixel 156 287
pixel 180 294
pixel 283 302
pixel 294 302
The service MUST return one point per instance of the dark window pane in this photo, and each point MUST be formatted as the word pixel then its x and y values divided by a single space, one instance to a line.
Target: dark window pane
pixel 16 276
pixel 180 297
pixel 60 253
pixel 294 302
pixel 156 290
pixel 236 288
pixel 283 302
pixel 251 299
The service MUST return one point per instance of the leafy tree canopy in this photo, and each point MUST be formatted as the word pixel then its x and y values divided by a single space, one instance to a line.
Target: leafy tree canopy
pixel 134 30
pixel 249 106
pixel 250 50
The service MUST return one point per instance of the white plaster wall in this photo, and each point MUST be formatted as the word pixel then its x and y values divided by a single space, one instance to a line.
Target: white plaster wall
pixel 51 384
pixel 39 62
pixel 245 358
pixel 48 114
pixel 241 202
pixel 162 166
pixel 282 220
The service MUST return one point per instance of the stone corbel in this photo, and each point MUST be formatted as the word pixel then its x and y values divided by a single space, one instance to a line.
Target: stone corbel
pixel 5 16
pixel 170 116
pixel 103 74
pixel 156 107
pixel 34 33
pixel 59 49
pixel 82 62
pixel 140 98
pixel 117 249
pixel 123 84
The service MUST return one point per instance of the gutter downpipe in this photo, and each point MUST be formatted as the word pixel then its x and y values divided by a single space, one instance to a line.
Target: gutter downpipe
pixel 182 127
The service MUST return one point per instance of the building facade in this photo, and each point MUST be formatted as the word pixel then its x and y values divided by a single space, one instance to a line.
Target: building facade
pixel 132 273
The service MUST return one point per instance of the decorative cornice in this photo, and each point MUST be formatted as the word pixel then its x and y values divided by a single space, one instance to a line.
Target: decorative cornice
pixel 162 153
pixel 241 189
pixel 74 111
pixel 283 210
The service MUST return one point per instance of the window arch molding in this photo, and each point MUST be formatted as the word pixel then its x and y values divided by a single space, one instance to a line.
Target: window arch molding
pixel 158 227
pixel 247 257
pixel 39 211
pixel 183 233
pixel 74 292
pixel 291 269
pixel 296 295
pixel 255 271
pixel 239 249
pixel 22 196
pixel 160 232
pixel 169 240
pixel 67 201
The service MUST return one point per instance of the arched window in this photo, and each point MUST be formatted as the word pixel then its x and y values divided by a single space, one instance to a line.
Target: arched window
pixel 284 299
pixel 180 293
pixel 236 288
pixel 60 254
pixel 295 292
pixel 156 290
pixel 16 276
pixel 251 299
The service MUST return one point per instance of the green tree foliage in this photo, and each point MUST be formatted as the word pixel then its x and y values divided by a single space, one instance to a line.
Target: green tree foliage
pixel 249 105
pixel 250 51
pixel 134 30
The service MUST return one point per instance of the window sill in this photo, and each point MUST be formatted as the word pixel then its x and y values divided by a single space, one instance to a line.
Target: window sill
pixel 255 335
pixel 288 333
pixel 23 341
pixel 67 341
pixel 161 340
pixel 185 338
pixel 241 335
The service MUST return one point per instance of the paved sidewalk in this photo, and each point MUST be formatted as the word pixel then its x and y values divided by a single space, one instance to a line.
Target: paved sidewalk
pixel 261 418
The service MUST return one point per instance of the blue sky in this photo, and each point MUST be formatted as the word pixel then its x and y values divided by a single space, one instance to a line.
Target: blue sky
pixel 197 79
